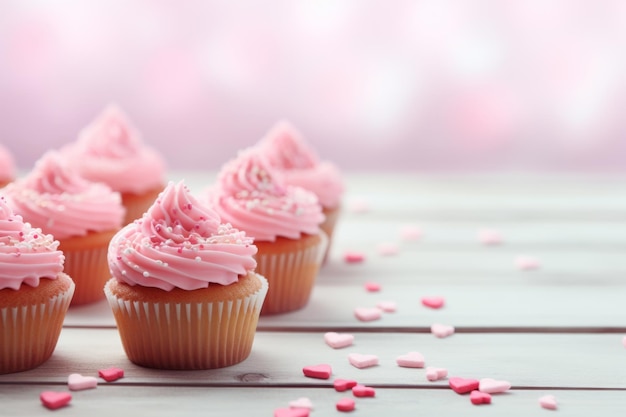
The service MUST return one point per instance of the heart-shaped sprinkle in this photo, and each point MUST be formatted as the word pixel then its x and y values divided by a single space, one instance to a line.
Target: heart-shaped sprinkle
pixel 361 361
pixel 387 306
pixel 624 341
pixel 493 386
pixel 463 385
pixel 111 374
pixel 322 371
pixel 338 340
pixel 478 398
pixel 388 249
pixel 490 237
pixel 433 302
pixel 291 412
pixel 411 360
pixel 372 286
pixel 55 399
pixel 435 374
pixel 359 205
pixel 77 382
pixel 342 385
pixel 363 391
pixel 548 402
pixel 367 314
pixel 442 330
pixel 352 257
pixel 345 404
pixel 301 403
pixel 410 232
pixel 526 263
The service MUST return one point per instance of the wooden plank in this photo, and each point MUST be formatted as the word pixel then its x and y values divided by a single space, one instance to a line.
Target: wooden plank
pixel 236 402
pixel 277 359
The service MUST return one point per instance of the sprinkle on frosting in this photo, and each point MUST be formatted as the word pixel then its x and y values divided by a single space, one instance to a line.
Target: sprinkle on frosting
pixel 111 150
pixel 180 242
pixel 249 195
pixel 286 151
pixel 26 253
pixel 56 199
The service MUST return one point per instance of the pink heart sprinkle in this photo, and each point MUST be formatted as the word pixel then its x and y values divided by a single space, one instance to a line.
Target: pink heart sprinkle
pixel 367 314
pixel 345 404
pixel 433 302
pixel 77 382
pixel 548 402
pixel 54 399
pixel 361 361
pixel 526 263
pixel 493 386
pixel 387 306
pixel 353 257
pixel 301 403
pixel 624 341
pixel 111 374
pixel 388 249
pixel 463 385
pixel 338 340
pixel 363 391
pixel 442 330
pixel 318 371
pixel 342 385
pixel 359 205
pixel 478 398
pixel 291 412
pixel 410 232
pixel 411 360
pixel 435 374
pixel 490 237
pixel 372 286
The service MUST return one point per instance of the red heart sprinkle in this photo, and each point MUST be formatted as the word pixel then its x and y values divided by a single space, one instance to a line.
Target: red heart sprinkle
pixel 54 399
pixel 342 385
pixel 363 391
pixel 462 385
pixel 111 374
pixel 318 371
pixel 291 412
pixel 478 398
pixel 353 257
pixel 345 404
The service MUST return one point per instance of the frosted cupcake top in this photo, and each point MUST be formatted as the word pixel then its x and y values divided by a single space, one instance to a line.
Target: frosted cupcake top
pixel 26 254
pixel 249 195
pixel 56 199
pixel 7 165
pixel 181 243
pixel 111 150
pixel 288 153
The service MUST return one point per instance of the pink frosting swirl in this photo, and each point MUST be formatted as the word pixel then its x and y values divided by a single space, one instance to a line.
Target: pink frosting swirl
pixel 249 195
pixel 180 243
pixel 56 199
pixel 110 150
pixel 26 254
pixel 288 153
pixel 7 165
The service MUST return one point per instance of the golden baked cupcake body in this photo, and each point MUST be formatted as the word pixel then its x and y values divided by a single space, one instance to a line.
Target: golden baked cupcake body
pixel 35 293
pixel 183 289
pixel 7 166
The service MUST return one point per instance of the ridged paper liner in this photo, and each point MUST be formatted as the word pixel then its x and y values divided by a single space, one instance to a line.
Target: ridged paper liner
pixel 90 271
pixel 291 276
pixel 29 334
pixel 328 226
pixel 188 336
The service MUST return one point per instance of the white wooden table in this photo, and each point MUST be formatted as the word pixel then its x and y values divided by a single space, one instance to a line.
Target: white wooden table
pixel 556 330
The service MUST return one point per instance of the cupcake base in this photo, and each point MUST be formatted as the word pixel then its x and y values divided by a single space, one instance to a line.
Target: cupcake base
pixel 86 262
pixel 31 319
pixel 137 204
pixel 291 267
pixel 207 328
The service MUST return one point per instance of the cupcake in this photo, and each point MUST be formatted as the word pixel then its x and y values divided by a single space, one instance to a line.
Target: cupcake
pixel 284 221
pixel 81 214
pixel 35 293
pixel 7 166
pixel 293 158
pixel 110 150
pixel 183 289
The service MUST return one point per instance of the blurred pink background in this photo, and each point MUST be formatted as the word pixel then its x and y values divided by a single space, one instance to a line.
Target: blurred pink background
pixel 373 85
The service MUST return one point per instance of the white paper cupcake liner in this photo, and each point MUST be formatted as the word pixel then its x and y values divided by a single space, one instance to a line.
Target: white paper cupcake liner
pixel 188 336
